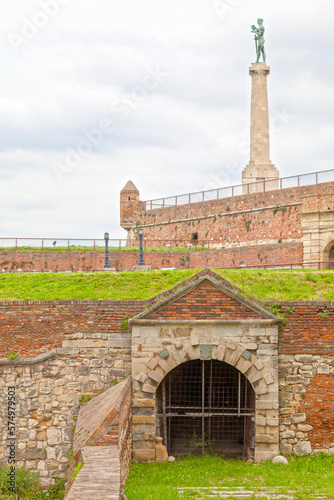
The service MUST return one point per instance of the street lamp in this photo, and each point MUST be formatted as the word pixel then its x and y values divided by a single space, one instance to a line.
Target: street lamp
pixel 106 255
pixel 141 253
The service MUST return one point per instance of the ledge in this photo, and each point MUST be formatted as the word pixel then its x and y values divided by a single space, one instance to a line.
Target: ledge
pixel 28 361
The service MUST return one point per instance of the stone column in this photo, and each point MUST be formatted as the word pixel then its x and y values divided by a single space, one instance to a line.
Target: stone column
pixel 260 167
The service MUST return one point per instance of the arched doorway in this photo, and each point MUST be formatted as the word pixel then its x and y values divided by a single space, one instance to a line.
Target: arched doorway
pixel 328 256
pixel 206 407
pixel 331 258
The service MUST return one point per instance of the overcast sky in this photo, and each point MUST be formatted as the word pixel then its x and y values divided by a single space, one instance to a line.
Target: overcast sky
pixel 97 92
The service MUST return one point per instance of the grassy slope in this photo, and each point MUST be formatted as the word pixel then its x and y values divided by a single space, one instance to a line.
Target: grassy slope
pixel 261 285
pixel 304 475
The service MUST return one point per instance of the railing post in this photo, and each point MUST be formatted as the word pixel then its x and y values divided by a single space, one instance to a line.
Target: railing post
pixel 42 243
pixel 16 244
pixel 68 245
pixel 298 180
pixel 280 183
pixel 175 200
pixel 316 178
pixel 202 195
pixel 189 197
pixel 217 194
pixel 94 245
pixel 120 245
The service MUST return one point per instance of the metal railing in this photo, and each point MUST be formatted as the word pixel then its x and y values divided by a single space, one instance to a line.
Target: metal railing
pixel 240 189
pixel 120 245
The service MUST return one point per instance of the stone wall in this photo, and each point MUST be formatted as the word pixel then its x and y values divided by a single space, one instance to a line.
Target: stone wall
pixel 48 389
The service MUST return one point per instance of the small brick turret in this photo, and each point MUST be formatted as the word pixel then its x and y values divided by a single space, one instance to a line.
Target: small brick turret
pixel 129 204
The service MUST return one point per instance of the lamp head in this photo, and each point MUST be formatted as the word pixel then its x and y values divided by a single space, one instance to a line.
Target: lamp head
pixel 106 236
pixel 140 231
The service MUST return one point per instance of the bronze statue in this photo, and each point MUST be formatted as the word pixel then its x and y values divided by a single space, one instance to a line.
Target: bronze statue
pixel 259 40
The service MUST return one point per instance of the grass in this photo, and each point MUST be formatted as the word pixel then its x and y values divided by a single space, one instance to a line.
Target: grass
pixel 28 486
pixel 304 475
pixel 82 248
pixel 259 285
pixel 266 285
pixel 88 286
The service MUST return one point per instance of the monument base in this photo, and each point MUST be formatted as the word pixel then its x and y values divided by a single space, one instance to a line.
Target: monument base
pixel 259 177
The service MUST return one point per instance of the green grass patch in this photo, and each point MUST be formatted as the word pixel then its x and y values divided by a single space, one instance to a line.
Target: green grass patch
pixel 304 476
pixel 265 285
pixel 260 285
pixel 88 286
pixel 28 486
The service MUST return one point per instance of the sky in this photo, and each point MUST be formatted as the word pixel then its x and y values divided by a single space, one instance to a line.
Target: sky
pixel 98 92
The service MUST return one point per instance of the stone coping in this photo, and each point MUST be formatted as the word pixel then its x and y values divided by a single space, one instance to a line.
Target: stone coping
pixel 222 287
pixel 28 361
pixel 212 322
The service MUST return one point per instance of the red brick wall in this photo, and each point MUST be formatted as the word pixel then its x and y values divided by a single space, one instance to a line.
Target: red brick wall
pixel 255 217
pixel 33 327
pixel 205 302
pixel 319 408
pixel 309 329
pixel 257 255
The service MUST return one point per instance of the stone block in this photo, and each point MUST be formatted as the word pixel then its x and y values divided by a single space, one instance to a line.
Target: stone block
pixel 194 340
pixel 34 454
pixel 298 418
pixel 266 438
pixel 148 388
pixel 92 343
pixel 264 405
pixel 152 363
pixel 304 427
pixel 54 436
pixel 143 419
pixel 272 422
pixel 302 448
pixel 243 365
pixel 143 403
pixel 144 455
pixel 155 376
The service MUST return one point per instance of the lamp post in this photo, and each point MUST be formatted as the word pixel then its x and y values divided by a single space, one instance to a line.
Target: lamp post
pixel 106 255
pixel 141 252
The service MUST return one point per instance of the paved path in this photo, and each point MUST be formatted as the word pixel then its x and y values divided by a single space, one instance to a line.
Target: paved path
pixel 230 493
pixel 99 478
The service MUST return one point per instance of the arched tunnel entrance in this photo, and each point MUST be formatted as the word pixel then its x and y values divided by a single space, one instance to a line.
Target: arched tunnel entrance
pixel 206 407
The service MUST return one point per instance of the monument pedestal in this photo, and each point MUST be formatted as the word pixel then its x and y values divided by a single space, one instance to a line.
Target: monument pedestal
pixel 260 169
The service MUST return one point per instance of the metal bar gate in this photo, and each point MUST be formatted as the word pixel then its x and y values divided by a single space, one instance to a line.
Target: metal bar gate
pixel 207 407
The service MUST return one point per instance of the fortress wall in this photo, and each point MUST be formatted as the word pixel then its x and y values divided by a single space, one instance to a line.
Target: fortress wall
pixel 306 377
pixel 252 255
pixel 94 351
pixel 259 217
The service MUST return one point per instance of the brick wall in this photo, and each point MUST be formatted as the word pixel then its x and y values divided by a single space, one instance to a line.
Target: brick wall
pixel 309 328
pixel 255 218
pixel 254 255
pixel 33 327
pixel 205 302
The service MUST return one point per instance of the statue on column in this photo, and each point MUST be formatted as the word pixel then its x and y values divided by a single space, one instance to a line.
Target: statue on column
pixel 259 40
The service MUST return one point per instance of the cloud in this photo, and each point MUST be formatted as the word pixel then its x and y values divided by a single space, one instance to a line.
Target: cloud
pixel 189 133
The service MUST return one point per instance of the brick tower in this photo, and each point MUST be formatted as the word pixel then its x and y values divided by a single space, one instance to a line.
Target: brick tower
pixel 260 167
pixel 129 205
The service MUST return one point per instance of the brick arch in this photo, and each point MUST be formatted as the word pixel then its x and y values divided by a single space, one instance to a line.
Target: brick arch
pixel 328 243
pixel 229 352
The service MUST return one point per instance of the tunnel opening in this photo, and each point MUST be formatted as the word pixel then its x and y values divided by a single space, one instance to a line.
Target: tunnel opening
pixel 207 407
